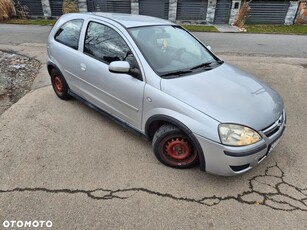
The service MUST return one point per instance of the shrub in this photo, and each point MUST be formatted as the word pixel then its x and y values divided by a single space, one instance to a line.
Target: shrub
pixel 242 14
pixel 22 11
pixel 7 9
pixel 301 15
pixel 70 6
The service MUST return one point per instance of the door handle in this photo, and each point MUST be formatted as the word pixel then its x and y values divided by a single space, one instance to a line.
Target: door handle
pixel 82 67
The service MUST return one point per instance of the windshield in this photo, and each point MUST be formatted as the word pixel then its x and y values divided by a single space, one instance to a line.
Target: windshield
pixel 171 50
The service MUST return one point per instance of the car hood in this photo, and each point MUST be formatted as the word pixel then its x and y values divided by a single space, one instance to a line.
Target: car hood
pixel 228 95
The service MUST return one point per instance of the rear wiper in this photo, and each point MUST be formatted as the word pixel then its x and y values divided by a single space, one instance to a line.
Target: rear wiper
pixel 176 73
pixel 207 64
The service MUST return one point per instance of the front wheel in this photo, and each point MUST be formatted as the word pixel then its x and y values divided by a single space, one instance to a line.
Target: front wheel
pixel 174 148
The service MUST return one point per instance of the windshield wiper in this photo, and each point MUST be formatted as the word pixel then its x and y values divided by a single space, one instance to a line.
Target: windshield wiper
pixel 207 64
pixel 176 73
pixel 181 72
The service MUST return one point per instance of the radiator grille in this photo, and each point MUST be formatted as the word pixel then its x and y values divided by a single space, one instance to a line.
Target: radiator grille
pixel 273 128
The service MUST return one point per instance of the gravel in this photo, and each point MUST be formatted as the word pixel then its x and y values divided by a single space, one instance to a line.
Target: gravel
pixel 17 73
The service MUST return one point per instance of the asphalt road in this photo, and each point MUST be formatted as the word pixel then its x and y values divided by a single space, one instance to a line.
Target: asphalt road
pixel 222 43
pixel 256 44
pixel 62 161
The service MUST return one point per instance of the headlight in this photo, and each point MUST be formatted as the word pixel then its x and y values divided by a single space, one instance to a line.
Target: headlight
pixel 237 135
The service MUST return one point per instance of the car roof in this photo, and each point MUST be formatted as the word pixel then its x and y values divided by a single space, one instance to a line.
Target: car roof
pixel 131 20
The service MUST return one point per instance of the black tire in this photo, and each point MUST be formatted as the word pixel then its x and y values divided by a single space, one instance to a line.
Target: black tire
pixel 59 84
pixel 174 148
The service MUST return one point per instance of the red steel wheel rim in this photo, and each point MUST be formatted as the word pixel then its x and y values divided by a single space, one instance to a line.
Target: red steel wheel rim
pixel 58 84
pixel 178 151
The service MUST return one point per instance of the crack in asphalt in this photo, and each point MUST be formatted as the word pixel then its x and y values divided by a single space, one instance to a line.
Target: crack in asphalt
pixel 257 194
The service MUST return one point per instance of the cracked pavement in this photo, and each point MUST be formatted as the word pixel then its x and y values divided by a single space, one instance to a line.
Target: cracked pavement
pixel 280 199
pixel 64 162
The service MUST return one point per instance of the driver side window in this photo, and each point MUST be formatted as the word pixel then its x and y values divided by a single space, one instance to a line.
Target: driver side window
pixel 105 44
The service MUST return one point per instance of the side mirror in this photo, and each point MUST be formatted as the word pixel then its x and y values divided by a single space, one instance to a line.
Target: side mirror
pixel 124 67
pixel 209 48
pixel 119 67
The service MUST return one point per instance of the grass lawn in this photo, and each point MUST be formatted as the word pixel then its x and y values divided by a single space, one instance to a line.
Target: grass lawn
pixel 259 29
pixel 276 29
pixel 199 28
pixel 41 22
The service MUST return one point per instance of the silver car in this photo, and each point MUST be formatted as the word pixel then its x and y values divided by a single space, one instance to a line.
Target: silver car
pixel 155 78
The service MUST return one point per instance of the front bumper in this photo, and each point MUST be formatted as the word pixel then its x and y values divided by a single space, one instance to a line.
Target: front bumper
pixel 229 161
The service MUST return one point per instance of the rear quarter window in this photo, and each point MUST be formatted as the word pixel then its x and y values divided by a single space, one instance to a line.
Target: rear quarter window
pixel 69 33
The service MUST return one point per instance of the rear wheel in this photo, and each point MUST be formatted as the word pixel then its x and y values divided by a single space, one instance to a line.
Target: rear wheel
pixel 174 148
pixel 59 84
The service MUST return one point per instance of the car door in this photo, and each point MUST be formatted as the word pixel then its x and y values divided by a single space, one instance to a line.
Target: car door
pixel 118 94
pixel 63 50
